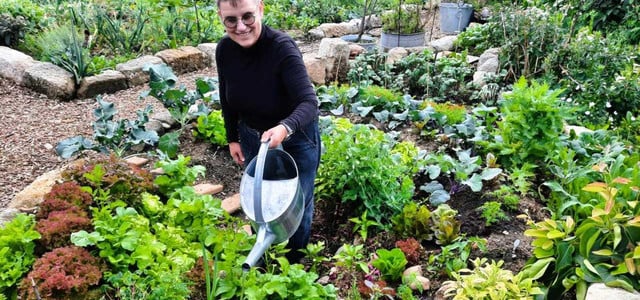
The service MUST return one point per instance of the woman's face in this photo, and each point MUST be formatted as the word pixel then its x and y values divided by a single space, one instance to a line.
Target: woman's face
pixel 243 22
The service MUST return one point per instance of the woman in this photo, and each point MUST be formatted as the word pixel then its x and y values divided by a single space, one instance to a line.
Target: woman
pixel 266 94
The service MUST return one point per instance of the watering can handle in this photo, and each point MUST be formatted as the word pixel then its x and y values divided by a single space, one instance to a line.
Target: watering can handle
pixel 257 184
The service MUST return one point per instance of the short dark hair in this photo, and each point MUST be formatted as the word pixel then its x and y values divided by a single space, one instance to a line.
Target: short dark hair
pixel 234 3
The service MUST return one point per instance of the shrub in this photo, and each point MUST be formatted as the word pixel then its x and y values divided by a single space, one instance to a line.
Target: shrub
pixel 59 225
pixel 62 273
pixel 62 197
pixel 532 124
pixel 358 167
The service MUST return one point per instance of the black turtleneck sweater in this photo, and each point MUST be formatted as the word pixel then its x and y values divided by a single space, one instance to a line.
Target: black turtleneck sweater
pixel 265 84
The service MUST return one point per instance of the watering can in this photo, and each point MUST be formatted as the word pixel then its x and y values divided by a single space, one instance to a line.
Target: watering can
pixel 272 199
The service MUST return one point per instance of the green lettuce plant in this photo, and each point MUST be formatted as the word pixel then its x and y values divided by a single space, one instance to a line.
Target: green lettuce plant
pixel 211 128
pixel 17 247
pixel 391 263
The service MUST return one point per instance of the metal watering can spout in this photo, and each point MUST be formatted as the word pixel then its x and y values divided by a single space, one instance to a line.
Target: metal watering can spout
pixel 264 239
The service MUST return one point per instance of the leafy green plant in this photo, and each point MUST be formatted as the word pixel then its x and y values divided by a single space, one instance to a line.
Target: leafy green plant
pixel 506 195
pixel 63 47
pixel 110 135
pixel 123 36
pixel 414 221
pixel 454 256
pixel 357 167
pixel 446 227
pixel 391 263
pixel 362 225
pixel 532 124
pixel 492 213
pixel 176 174
pixel 351 258
pixel 313 253
pixel 404 18
pixel 488 280
pixel 211 128
pixel 17 249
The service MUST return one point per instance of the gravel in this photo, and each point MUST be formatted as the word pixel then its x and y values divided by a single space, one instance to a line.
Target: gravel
pixel 31 124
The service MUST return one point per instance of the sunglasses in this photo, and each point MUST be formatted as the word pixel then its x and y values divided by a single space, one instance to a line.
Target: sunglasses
pixel 246 19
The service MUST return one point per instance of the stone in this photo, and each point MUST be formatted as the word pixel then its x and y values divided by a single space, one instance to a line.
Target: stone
pixel 472 59
pixel 247 228
pixel 396 54
pixel 316 68
pixel 417 270
pixel 335 51
pixel 13 64
pixel 107 82
pixel 133 69
pixel 208 188
pixel 51 80
pixel 420 283
pixel 478 77
pixel 316 34
pixel 489 61
pixel 157 171
pixel 578 130
pixel 355 50
pixel 6 215
pixel 332 30
pixel 33 194
pixel 598 291
pixel 137 161
pixel 184 59
pixel 231 204
pixel 444 43
pixel 210 50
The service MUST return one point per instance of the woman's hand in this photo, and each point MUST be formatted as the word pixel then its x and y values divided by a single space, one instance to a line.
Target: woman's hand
pixel 277 135
pixel 236 153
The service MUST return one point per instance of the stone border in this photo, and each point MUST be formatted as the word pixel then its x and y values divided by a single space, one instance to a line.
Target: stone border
pixel 56 82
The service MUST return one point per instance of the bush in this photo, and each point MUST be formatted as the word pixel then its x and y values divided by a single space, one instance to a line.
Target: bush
pixel 358 167
pixel 62 274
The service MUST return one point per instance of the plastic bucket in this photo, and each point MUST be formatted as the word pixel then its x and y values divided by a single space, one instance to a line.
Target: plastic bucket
pixel 454 18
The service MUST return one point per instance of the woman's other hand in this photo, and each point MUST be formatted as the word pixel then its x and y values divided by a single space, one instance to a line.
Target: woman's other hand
pixel 236 153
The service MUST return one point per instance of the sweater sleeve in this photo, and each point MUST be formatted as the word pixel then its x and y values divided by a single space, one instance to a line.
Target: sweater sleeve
pixel 298 86
pixel 229 115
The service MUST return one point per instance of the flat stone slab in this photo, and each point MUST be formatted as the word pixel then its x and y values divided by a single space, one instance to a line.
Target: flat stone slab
pixel 599 291
pixel 51 80
pixel 208 188
pixel 13 64
pixel 107 82
pixel 132 69
pixel 210 50
pixel 137 161
pixel 184 59
pixel 231 204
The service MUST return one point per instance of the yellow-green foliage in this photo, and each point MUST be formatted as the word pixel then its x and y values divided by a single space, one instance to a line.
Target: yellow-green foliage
pixel 489 281
pixel 455 113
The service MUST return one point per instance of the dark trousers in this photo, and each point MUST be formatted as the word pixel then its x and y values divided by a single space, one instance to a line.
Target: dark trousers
pixel 304 147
